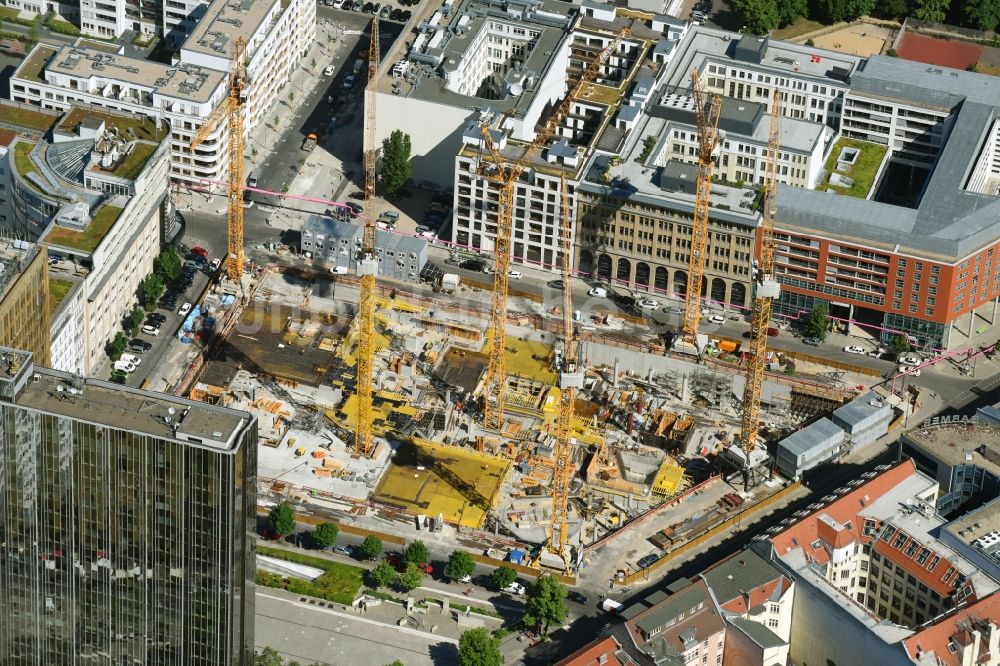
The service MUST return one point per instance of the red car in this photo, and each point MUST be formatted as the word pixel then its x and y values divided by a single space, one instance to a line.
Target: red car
pixel 200 251
pixel 426 568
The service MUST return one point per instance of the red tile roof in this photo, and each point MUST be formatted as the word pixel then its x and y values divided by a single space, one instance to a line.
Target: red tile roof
pixel 936 637
pixel 590 654
pixel 936 572
pixel 845 510
pixel 756 597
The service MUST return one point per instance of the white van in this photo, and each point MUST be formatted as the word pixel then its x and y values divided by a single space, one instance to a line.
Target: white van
pixel 599 292
pixel 124 366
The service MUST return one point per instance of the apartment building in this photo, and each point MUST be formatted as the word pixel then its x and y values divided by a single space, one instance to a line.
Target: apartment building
pixel 869 570
pixel 91 189
pixel 24 297
pixel 184 94
pixel 128 523
pixel 68 322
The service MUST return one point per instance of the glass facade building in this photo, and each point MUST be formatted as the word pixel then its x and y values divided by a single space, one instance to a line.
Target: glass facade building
pixel 126 523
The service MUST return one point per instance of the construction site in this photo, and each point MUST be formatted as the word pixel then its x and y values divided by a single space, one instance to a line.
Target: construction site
pixel 552 428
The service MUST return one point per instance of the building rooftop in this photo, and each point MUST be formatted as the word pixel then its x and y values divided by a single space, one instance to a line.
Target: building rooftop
pixel 118 406
pixel 813 435
pixel 860 409
pixel 384 240
pixel 15 255
pixel 224 22
pixel 935 644
pixel 980 528
pixel 183 82
pixel 960 444
pixel 600 652
pixel 758 633
pixel 744 581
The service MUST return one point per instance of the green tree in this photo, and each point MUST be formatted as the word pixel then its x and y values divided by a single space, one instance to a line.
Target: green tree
pixel 417 553
pixel 818 321
pixel 411 578
pixel 789 11
pixel 545 603
pixel 168 264
pixel 759 16
pixel 981 14
pixel 282 519
pixel 268 657
pixel 152 289
pixel 900 345
pixel 477 647
pixel 933 11
pixel 396 663
pixel 460 564
pixel 396 165
pixel 134 319
pixel 892 9
pixel 117 346
pixel 504 576
pixel 325 534
pixel 382 575
pixel 371 546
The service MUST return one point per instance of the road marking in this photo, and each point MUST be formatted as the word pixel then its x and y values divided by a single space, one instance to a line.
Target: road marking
pixel 358 618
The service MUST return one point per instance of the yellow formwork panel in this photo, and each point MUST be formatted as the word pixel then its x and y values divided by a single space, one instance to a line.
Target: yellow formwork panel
pixel 668 479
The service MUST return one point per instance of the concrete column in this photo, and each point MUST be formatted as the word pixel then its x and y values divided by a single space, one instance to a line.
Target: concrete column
pixel 972 322
pixel 946 339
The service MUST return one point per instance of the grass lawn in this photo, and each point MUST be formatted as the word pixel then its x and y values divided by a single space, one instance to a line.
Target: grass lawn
pixel 143 126
pixel 134 161
pixel 62 27
pixel 340 583
pixel 863 171
pixel 88 239
pixel 8 13
pixel 32 67
pixel 22 161
pixel 800 27
pixel 58 289
pixel 35 120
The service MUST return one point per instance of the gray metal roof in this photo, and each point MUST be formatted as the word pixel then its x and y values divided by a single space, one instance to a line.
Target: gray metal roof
pixel 758 633
pixel 819 434
pixel 740 573
pixel 897 78
pixel 859 409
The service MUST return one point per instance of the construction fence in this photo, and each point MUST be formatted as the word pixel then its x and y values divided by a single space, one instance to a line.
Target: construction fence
pixel 695 543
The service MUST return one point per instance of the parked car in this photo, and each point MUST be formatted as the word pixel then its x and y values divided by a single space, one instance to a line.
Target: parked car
pixel 386 11
pixel 812 342
pixel 426 568
pixel 514 588
pixel 330 69
pixel 717 319
pixel 131 358
pixel 156 317
pixel 151 329
pixel 515 275
pixel 344 550
pixel 396 14
pixel 909 370
pixel 598 292
pixel 406 15
pixel 673 309
pixel 472 265
pixel 119 376
pixel 349 80
pixel 647 561
pixel 578 597
pixel 185 309
pixel 647 304
pixel 421 229
pixel 854 349
pixel 124 366
pixel 214 266
pixel 909 360
pixel 356 207
pixel 199 251
pixel 139 346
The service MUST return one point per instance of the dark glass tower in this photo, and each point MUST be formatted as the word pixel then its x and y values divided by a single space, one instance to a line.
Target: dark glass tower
pixel 126 523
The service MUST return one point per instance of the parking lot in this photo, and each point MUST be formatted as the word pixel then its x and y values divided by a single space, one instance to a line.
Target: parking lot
pixel 384 11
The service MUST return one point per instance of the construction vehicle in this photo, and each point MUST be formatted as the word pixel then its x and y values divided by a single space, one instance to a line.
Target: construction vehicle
pixel 708 108
pixel 232 111
pixel 310 141
pixel 766 288
pixel 367 265
pixel 506 177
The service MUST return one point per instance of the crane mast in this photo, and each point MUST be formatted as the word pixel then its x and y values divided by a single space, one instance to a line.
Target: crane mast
pixel 766 288
pixel 708 108
pixel 232 110
pixel 506 179
pixel 570 380
pixel 367 265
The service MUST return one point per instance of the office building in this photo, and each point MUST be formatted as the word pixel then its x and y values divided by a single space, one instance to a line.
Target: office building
pixel 334 245
pixel 90 185
pixel 127 521
pixel 870 571
pixel 976 536
pixel 963 457
pixel 24 297
pixel 183 94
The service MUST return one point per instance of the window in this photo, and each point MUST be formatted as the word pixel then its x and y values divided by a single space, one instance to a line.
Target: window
pixel 772 623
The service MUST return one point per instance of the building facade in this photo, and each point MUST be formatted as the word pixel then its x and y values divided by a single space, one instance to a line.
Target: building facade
pixel 127 522
pixel 24 297
pixel 335 246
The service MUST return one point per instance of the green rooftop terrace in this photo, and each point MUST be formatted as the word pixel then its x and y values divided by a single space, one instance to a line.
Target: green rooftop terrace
pixel 13 114
pixel 34 64
pixel 88 239
pixel 861 172
pixel 58 291
pixel 143 126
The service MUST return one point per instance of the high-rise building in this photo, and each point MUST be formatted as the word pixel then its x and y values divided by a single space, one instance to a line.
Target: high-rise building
pixel 126 523
pixel 24 297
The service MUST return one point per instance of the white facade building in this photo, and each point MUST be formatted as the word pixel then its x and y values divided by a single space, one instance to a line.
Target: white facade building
pixel 68 326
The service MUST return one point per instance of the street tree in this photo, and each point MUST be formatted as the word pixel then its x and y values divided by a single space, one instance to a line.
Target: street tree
pixel 477 647
pixel 268 657
pixel 417 553
pixel 545 603
pixel 411 578
pixel 152 289
pixel 325 534
pixel 118 346
pixel 933 11
pixel 371 547
pixel 168 264
pixel 396 165
pixel 396 663
pixel 900 345
pixel 134 319
pixel 460 564
pixel 504 576
pixel 818 321
pixel 759 16
pixel 382 575
pixel 282 519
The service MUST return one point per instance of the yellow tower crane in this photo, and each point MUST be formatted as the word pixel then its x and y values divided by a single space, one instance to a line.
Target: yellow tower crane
pixel 766 288
pixel 232 110
pixel 708 108
pixel 570 380
pixel 367 265
pixel 506 179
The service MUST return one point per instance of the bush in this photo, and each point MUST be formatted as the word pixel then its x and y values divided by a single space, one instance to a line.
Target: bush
pixel 339 583
pixel 647 147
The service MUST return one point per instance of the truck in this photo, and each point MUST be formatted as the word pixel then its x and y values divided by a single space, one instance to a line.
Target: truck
pixel 449 283
pixel 310 142
pixel 359 66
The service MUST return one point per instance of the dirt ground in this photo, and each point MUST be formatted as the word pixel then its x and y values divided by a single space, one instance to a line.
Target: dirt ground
pixel 860 40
